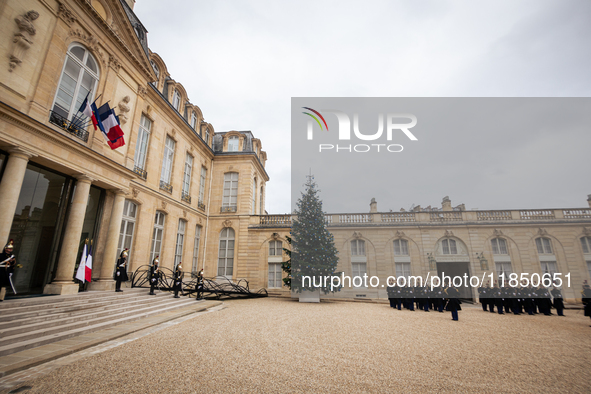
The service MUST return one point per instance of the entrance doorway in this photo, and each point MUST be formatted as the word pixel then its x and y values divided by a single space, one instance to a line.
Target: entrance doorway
pixel 457 269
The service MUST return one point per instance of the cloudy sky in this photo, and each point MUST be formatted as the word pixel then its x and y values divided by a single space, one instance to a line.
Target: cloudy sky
pixel 241 62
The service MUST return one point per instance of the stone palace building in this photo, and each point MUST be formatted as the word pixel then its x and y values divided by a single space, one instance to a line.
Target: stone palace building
pixel 182 191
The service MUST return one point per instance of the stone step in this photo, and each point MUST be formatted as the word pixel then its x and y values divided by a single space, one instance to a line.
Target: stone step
pixel 9 316
pixel 56 317
pixel 11 345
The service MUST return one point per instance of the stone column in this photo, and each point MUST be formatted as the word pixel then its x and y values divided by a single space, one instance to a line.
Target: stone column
pixel 10 189
pixel 63 282
pixel 106 281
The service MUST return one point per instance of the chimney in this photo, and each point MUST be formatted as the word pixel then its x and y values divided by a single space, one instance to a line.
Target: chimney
pixel 373 206
pixel 446 204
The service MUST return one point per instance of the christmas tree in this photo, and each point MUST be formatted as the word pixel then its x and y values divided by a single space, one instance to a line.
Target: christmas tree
pixel 286 265
pixel 313 253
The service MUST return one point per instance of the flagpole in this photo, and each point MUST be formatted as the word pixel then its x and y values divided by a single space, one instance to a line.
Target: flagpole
pixel 76 116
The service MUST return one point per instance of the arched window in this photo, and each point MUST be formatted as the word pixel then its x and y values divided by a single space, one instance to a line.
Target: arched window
pixel 157 72
pixel 449 246
pixel 226 252
pixel 586 245
pixel 400 247
pixel 193 119
pixel 78 81
pixel 358 247
pixel 176 100
pixel 499 246
pixel 544 245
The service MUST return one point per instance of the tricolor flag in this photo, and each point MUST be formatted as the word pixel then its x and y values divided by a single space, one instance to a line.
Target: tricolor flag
pixel 87 110
pixel 109 125
pixel 80 274
pixel 88 270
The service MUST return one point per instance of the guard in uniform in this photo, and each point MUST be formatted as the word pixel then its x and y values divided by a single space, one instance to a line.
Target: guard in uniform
pixel 199 285
pixel 178 280
pixel 121 270
pixel 483 296
pixel 7 264
pixel 497 294
pixel 154 275
pixel 453 302
pixel 558 300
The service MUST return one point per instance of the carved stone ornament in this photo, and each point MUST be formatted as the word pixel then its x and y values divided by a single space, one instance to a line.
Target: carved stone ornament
pixel 66 15
pixel 141 91
pixel 400 234
pixel 23 39
pixel 231 168
pixel 163 204
pixel 191 149
pixel 357 235
pixel 91 41
pixel 123 109
pixel 497 232
pixel 173 134
pixel 449 233
pixel 200 221
pixel 184 213
pixel 542 231
pixel 227 223
pixel 114 63
pixel 275 236
pixel 586 230
pixel 135 192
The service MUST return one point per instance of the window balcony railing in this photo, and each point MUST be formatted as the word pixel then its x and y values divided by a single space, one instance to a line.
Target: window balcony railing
pixel 186 197
pixel 76 128
pixel 166 186
pixel 141 172
pixel 230 208
pixel 201 205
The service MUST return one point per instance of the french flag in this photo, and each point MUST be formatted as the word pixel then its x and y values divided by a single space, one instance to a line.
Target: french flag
pixel 88 265
pixel 109 125
pixel 87 110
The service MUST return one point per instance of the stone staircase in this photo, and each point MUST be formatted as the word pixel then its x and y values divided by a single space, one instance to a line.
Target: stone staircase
pixel 32 322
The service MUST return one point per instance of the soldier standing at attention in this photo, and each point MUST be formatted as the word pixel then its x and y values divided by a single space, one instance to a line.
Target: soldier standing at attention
pixel 121 270
pixel 453 302
pixel 7 263
pixel 154 275
pixel 558 301
pixel 391 295
pixel 482 295
pixel 199 285
pixel 178 280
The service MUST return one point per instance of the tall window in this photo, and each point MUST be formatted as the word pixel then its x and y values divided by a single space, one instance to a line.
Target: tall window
pixel 504 268
pixel 226 252
pixel 167 162
pixel 449 246
pixel 548 267
pixel 544 246
pixel 275 248
pixel 403 269
pixel 358 247
pixel 141 147
pixel 187 176
pixel 202 184
pixel 156 71
pixel 586 245
pixel 207 136
pixel 157 235
pixel 193 120
pixel 274 275
pixel 180 240
pixel 78 80
pixel 196 249
pixel 499 246
pixel 176 100
pixel 400 247
pixel 233 144
pixel 127 227
pixel 254 196
pixel 230 198
pixel 261 210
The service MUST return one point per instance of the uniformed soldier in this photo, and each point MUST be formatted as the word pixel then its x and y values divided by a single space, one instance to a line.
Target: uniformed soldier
pixel 558 302
pixel 483 296
pixel 545 302
pixel 453 302
pixel 199 285
pixel 390 291
pixel 497 294
pixel 154 275
pixel 528 301
pixel 7 264
pixel 121 270
pixel 178 280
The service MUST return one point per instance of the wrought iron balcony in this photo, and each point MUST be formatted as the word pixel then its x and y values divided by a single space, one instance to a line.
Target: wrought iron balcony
pixel 75 128
pixel 186 197
pixel 231 208
pixel 166 186
pixel 201 205
pixel 141 172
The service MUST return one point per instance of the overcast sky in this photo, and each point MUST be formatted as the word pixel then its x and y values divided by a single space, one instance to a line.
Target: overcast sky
pixel 242 61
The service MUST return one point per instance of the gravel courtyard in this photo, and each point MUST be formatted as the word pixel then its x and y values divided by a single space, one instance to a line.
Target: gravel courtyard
pixel 277 345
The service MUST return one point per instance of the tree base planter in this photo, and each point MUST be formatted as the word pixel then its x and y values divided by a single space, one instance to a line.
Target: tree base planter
pixel 310 296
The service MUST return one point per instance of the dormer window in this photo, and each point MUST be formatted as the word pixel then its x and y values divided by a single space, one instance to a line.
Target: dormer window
pixel 176 100
pixel 233 144
pixel 193 119
pixel 156 71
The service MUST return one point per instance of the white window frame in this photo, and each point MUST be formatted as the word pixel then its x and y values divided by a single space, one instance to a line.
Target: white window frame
pixel 400 247
pixel 359 269
pixel 202 180
pixel 193 119
pixel 75 103
pixel 550 267
pixel 261 207
pixel 275 276
pixel 176 100
pixel 167 160
pixel 254 196
pixel 449 246
pixel 180 242
pixel 230 196
pixel 143 138
pixel 156 246
pixel 402 269
pixel 586 244
pixel 357 247
pixel 196 248
pixel 499 246
pixel 128 220
pixel 275 248
pixel 187 175
pixel 504 267
pixel 233 143
pixel 544 245
pixel 226 252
